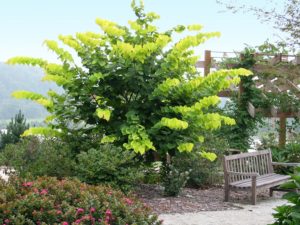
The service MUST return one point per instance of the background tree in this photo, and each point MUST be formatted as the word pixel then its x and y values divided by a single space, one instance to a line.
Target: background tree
pixel 284 15
pixel 14 129
pixel 134 87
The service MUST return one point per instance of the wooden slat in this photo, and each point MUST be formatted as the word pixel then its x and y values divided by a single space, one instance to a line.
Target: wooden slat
pixel 263 165
pixel 241 169
pixel 261 181
pixel 249 179
pixel 270 166
pixel 243 155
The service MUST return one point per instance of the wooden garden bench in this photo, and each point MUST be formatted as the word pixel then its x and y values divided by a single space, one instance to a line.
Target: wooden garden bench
pixel 252 171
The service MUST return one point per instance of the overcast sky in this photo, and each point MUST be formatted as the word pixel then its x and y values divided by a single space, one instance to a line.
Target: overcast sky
pixel 24 25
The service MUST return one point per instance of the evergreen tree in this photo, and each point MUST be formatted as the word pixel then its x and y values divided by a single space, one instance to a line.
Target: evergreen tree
pixel 14 129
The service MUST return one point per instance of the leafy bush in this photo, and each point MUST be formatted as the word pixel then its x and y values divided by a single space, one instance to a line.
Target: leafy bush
pixel 152 173
pixel 289 214
pixel 292 152
pixel 14 129
pixel 173 180
pixel 110 165
pixel 285 154
pixel 203 172
pixel 289 153
pixel 50 201
pixel 34 157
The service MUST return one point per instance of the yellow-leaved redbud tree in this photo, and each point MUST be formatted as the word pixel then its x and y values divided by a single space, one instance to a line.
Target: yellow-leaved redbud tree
pixel 133 86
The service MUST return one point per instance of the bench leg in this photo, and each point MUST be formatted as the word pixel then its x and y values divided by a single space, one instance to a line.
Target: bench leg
pixel 271 192
pixel 253 190
pixel 253 197
pixel 227 194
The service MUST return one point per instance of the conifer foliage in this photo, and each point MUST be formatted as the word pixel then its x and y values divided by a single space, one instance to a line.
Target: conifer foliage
pixel 14 130
pixel 134 86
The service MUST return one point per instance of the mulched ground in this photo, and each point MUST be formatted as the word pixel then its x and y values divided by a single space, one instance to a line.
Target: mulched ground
pixel 195 200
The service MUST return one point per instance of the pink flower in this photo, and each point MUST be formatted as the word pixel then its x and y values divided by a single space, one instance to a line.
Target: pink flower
pixel 44 192
pixel 128 201
pixel 27 184
pixel 6 221
pixel 108 212
pixel 92 210
pixel 108 215
pixel 86 217
pixel 78 221
pixel 79 210
pixel 58 212
pixel 64 223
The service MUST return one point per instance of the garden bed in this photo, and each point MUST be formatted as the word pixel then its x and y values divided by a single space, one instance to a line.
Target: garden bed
pixel 194 200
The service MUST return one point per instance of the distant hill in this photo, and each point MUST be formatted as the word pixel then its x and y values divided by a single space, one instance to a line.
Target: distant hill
pixel 14 78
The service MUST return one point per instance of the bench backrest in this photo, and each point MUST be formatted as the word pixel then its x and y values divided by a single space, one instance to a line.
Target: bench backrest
pixel 254 162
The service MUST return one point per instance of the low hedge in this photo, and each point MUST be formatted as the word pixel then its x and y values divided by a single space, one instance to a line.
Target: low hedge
pixel 48 200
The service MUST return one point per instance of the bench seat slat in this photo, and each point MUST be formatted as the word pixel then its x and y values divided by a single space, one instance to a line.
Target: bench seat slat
pixel 261 181
pixel 249 179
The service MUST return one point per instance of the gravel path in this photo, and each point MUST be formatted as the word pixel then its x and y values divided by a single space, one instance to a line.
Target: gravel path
pixel 260 214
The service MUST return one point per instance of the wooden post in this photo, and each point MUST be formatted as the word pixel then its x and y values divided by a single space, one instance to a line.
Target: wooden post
pixel 226 179
pixel 253 187
pixel 207 62
pixel 282 131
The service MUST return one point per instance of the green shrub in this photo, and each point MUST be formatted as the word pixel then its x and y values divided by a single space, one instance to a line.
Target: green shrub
pixel 152 174
pixel 289 214
pixel 34 157
pixel 292 152
pixel 203 172
pixel 289 153
pixel 50 201
pixel 111 165
pixel 173 180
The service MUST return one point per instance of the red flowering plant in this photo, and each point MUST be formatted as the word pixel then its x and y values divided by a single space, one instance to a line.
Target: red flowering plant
pixel 66 202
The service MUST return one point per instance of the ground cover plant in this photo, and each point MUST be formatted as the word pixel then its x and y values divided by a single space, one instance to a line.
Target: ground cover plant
pixel 51 201
pixel 288 214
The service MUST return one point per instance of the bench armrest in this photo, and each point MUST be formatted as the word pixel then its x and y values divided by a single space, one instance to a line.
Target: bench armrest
pixel 243 174
pixel 285 164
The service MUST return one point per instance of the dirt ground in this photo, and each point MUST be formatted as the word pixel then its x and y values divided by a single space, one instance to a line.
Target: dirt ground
pixel 196 200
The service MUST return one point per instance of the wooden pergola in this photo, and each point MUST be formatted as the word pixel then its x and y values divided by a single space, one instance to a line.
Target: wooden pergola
pixel 283 77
